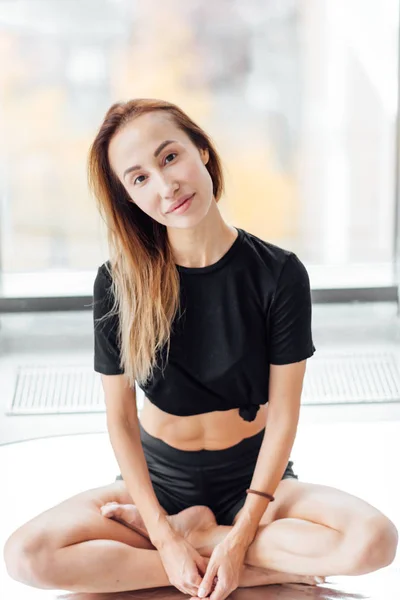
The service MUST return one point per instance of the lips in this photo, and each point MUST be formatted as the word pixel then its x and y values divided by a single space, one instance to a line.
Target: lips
pixel 180 202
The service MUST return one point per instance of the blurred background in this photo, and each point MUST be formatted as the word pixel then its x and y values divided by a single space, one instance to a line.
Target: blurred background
pixel 300 97
pixel 301 100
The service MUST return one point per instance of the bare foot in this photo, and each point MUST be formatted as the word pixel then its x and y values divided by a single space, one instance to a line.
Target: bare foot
pixel 192 523
pixel 127 514
pixel 186 523
pixel 192 520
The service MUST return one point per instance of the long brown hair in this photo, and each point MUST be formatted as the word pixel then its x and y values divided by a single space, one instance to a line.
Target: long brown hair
pixel 145 280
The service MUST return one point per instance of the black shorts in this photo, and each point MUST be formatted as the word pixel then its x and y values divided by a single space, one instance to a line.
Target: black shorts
pixel 214 478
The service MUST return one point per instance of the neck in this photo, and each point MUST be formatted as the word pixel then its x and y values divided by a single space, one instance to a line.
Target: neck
pixel 202 245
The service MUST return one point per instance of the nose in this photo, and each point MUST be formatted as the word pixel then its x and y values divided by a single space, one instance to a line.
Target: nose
pixel 168 188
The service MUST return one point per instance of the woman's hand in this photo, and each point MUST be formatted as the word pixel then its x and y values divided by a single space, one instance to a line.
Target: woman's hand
pixel 184 566
pixel 225 564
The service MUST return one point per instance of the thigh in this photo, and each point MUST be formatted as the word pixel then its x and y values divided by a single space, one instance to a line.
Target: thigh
pixel 78 519
pixel 320 504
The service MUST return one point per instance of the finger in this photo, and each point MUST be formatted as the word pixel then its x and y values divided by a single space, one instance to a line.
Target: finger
pixel 221 591
pixel 186 588
pixel 193 585
pixel 181 589
pixel 202 564
pixel 208 579
pixel 197 577
pixel 192 592
pixel 194 580
pixel 191 589
pixel 196 597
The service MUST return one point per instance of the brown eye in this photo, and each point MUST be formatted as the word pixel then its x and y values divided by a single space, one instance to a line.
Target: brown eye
pixel 171 154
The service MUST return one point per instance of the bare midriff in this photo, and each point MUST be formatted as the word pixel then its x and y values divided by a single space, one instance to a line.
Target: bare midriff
pixel 210 431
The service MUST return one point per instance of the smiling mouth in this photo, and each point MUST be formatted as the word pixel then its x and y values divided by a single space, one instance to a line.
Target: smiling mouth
pixel 181 204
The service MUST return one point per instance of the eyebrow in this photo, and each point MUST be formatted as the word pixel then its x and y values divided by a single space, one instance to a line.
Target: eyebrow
pixel 156 153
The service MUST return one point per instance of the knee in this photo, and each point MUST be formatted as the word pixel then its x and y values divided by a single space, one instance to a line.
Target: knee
pixel 22 558
pixel 375 545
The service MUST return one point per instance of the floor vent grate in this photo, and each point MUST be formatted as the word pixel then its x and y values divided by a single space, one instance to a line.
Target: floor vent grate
pixel 340 378
pixel 352 378
pixel 57 389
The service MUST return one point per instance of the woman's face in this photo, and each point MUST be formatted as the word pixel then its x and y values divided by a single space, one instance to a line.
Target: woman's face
pixel 159 166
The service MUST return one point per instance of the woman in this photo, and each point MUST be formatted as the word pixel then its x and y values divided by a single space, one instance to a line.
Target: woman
pixel 214 325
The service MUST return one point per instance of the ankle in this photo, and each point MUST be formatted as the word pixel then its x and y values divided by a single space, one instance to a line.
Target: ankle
pixel 205 540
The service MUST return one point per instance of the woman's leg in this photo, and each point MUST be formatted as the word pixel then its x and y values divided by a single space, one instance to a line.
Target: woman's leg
pixel 308 529
pixel 73 547
pixel 316 529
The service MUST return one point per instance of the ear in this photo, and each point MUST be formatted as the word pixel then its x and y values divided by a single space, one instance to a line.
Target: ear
pixel 205 155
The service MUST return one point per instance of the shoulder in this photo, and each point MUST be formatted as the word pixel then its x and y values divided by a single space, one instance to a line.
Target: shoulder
pixel 102 285
pixel 279 261
pixel 103 277
pixel 103 294
pixel 104 271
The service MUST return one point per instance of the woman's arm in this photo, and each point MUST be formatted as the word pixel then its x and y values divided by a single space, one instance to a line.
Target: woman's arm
pixel 124 434
pixel 286 382
pixel 125 440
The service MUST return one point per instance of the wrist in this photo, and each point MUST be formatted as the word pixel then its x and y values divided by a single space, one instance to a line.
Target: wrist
pixel 244 530
pixel 163 534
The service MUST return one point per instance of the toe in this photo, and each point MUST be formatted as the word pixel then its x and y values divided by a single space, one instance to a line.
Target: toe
pixel 109 504
pixel 109 509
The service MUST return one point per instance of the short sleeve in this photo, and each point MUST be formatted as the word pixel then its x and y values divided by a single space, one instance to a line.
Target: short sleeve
pixel 290 315
pixel 106 350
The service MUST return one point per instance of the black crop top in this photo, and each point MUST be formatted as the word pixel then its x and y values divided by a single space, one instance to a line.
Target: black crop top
pixel 250 309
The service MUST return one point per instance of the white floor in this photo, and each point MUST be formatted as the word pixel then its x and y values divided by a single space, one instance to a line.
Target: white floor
pixel 359 456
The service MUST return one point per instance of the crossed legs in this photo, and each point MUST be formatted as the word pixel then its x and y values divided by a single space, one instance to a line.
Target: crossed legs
pixel 310 530
pixel 74 547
